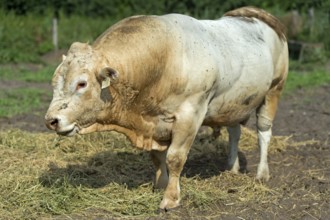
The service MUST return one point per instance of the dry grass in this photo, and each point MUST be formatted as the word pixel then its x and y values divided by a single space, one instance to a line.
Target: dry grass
pixel 101 175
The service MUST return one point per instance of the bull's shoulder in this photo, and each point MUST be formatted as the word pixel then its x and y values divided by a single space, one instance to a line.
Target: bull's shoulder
pixel 130 28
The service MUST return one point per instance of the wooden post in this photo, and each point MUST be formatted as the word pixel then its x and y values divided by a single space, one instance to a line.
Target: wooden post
pixel 55 33
pixel 311 22
pixel 55 29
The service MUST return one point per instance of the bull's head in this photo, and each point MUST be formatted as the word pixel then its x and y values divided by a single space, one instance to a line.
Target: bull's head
pixel 79 86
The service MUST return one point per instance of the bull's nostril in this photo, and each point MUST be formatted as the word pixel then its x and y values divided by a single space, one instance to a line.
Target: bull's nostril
pixel 52 123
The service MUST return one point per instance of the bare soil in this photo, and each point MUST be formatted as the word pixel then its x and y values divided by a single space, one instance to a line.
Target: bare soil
pixel 300 172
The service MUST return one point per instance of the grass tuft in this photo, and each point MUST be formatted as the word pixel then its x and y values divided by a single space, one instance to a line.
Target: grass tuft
pixel 298 80
pixel 27 73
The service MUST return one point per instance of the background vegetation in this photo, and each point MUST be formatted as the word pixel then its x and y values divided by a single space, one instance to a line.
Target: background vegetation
pixel 26 26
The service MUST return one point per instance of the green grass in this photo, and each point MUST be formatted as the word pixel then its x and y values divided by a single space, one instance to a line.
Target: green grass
pixel 24 73
pixel 23 97
pixel 306 80
pixel 43 75
pixel 19 100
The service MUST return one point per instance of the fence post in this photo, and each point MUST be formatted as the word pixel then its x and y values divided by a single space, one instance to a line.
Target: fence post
pixel 55 31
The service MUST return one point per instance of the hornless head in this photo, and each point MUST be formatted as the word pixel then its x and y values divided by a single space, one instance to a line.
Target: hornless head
pixel 80 87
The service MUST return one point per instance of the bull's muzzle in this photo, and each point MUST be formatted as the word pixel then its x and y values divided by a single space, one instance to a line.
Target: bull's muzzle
pixel 61 125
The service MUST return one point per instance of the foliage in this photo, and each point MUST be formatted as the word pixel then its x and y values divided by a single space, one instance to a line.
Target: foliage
pixel 24 39
pixel 123 8
pixel 18 38
pixel 25 27
pixel 85 29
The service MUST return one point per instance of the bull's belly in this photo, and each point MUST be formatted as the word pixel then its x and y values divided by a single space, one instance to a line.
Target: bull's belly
pixel 227 111
pixel 163 128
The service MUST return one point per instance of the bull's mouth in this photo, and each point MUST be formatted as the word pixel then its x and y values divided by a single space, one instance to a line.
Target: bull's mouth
pixel 69 132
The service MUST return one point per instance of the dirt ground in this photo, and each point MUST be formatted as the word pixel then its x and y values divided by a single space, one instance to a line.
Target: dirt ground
pixel 300 171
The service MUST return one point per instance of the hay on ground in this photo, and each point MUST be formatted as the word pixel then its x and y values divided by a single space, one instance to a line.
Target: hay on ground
pixel 43 175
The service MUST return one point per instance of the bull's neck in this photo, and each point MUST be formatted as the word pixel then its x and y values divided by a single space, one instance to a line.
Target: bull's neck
pixel 124 109
pixel 121 110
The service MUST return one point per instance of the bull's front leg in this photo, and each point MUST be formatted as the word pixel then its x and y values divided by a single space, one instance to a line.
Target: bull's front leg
pixel 185 128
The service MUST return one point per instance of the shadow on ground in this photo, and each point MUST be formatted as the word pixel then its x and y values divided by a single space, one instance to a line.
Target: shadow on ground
pixel 129 169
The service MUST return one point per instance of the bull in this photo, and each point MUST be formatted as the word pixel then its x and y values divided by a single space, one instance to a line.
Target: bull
pixel 157 79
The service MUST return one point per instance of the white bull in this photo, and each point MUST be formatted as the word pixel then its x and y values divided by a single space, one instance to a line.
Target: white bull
pixel 157 79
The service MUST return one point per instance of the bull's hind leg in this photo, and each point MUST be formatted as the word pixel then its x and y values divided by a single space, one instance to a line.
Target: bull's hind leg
pixel 234 136
pixel 159 160
pixel 265 116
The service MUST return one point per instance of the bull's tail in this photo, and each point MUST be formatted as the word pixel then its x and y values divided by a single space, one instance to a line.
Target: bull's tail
pixel 253 12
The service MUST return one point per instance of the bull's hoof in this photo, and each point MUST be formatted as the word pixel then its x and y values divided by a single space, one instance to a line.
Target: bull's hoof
pixel 168 204
pixel 263 178
pixel 233 169
pixel 263 173
pixel 163 211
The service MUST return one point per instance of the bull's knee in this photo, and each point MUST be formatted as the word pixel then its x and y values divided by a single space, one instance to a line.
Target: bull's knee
pixel 175 163
pixel 264 123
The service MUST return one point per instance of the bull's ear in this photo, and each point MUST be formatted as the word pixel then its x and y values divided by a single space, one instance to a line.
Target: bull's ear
pixel 63 57
pixel 108 75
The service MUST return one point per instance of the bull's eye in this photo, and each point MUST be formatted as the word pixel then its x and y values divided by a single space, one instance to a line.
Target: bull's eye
pixel 81 84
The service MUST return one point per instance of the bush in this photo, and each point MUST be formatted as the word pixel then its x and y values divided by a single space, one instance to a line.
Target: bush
pixel 25 38
pixel 20 37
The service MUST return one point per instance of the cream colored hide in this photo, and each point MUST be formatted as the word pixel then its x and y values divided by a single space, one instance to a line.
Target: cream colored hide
pixel 157 79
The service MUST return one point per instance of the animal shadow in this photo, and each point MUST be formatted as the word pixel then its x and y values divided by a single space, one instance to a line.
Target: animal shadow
pixel 130 169
pixel 101 169
pixel 208 165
